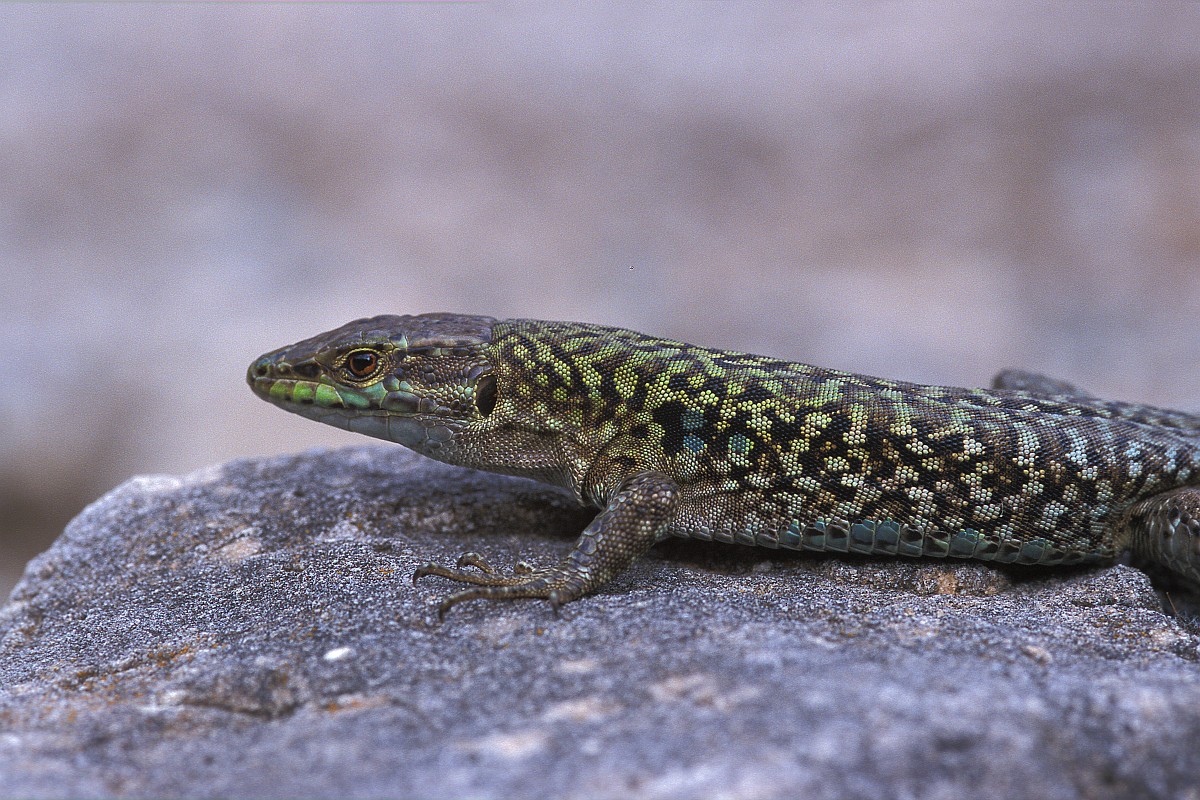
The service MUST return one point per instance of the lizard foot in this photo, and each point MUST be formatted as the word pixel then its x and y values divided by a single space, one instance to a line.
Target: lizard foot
pixel 480 563
pixel 556 584
pixel 1165 529
pixel 635 518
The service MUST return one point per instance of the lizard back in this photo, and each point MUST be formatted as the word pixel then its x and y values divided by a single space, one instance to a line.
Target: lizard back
pixel 782 454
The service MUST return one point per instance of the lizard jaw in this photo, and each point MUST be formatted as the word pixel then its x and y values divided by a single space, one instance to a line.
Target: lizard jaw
pixel 425 433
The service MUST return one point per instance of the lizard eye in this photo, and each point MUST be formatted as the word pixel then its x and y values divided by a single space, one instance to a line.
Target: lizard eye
pixel 362 364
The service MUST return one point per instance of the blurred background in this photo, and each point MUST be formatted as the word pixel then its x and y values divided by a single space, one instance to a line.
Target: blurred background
pixel 925 190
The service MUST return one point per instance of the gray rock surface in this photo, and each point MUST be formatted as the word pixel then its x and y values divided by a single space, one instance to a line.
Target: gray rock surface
pixel 250 630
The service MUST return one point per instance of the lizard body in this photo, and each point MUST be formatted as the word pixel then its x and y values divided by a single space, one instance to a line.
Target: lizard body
pixel 670 439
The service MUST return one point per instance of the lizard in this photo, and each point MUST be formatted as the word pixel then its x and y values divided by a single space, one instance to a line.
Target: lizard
pixel 669 439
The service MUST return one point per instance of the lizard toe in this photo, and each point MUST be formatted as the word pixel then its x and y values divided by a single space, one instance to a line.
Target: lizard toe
pixel 474 560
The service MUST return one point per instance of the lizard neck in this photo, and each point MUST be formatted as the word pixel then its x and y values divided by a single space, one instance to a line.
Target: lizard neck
pixel 574 405
pixel 567 395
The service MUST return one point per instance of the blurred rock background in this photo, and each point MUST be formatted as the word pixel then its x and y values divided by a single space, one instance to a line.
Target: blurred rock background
pixel 925 190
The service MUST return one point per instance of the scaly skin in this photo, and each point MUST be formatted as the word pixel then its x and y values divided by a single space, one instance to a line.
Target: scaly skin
pixel 669 439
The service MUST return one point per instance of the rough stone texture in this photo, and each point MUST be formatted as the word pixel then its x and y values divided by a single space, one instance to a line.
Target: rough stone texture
pixel 250 630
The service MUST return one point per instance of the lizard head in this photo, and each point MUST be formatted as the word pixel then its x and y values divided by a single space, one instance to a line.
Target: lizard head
pixel 414 380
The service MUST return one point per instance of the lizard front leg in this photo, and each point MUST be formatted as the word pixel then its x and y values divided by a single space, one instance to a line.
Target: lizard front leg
pixel 634 520
pixel 1165 529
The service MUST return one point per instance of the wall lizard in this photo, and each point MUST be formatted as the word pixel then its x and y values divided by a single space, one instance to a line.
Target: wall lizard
pixel 669 439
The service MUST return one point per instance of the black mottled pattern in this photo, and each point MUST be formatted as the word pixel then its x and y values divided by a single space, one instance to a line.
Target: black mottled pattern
pixel 783 454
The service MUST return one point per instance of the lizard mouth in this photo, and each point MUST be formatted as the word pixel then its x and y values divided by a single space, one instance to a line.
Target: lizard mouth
pixel 290 392
pixel 400 416
pixel 405 418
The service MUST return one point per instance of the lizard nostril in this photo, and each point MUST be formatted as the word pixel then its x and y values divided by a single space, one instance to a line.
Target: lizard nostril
pixel 261 371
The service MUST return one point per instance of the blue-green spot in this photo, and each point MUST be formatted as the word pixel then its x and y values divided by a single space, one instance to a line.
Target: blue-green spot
pixel 1032 551
pixel 862 537
pixel 963 543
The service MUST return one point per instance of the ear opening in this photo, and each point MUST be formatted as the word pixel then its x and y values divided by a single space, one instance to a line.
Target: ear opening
pixel 485 394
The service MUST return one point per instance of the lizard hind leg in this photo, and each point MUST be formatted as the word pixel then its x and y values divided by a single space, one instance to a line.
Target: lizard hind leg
pixel 634 519
pixel 1038 385
pixel 1165 529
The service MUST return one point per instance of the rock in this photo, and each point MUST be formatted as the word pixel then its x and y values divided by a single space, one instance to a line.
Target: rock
pixel 251 630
